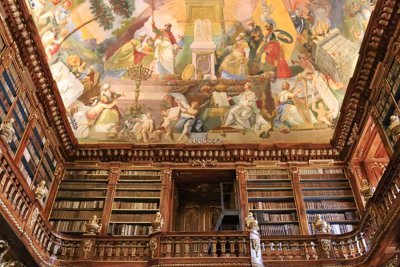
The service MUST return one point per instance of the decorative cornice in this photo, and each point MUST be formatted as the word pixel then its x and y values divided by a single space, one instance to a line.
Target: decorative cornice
pixel 380 30
pixel 31 54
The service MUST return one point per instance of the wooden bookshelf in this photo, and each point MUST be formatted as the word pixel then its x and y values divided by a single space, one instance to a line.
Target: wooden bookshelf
pixel 327 191
pixel 272 201
pixel 81 194
pixel 136 200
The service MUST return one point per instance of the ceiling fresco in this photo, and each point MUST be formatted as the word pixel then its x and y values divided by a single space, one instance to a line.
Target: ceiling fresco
pixel 196 71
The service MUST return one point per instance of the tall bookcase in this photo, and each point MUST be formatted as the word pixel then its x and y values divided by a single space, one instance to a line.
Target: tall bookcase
pixel 271 199
pixel 327 191
pixel 81 195
pixel 136 200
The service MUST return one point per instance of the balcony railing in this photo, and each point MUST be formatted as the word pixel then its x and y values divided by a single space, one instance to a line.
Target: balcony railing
pixel 54 249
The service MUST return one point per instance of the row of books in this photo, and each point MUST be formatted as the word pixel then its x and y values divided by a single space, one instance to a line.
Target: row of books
pixel 324 204
pixel 268 172
pixel 128 229
pixel 86 172
pixel 336 229
pixel 139 185
pixel 88 194
pixel 321 171
pixel 287 229
pixel 68 226
pixel 268 217
pixel 135 205
pixel 69 214
pixel 324 184
pixel 132 193
pixel 272 205
pixel 349 215
pixel 132 217
pixel 323 177
pixel 140 173
pixel 338 193
pixel 262 184
pixel 95 204
pixel 65 185
pixel 270 193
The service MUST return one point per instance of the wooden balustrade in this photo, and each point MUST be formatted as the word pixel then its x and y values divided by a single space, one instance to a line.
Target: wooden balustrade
pixel 208 244
pixel 13 193
pixel 56 249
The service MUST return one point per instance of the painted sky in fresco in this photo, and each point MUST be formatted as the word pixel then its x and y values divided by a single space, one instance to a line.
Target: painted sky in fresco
pixel 218 71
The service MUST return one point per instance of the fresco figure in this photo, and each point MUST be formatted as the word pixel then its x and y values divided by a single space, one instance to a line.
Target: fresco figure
pixel 127 55
pixel 165 45
pixel 234 65
pixel 273 52
pixel 287 112
pixel 245 115
pixel 188 121
pixel 254 37
pixel 104 111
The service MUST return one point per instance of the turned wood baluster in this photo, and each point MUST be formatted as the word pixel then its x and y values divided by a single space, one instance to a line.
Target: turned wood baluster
pixel 214 247
pixel 232 246
pixel 186 246
pixel 242 250
pixel 313 251
pixel 357 247
pixel 223 247
pixel 169 248
pixel 101 251
pixel 177 251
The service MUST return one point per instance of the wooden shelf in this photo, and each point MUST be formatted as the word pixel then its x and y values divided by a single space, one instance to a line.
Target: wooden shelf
pixel 306 198
pixel 258 199
pixel 84 180
pixel 330 210
pixel 269 188
pixel 77 209
pixel 134 210
pixel 273 210
pixel 283 222
pixel 129 222
pixel 79 198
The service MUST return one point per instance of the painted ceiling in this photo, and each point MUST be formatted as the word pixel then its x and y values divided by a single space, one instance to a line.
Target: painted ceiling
pixel 192 71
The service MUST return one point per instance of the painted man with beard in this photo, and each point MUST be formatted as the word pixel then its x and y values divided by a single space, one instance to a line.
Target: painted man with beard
pixel 165 44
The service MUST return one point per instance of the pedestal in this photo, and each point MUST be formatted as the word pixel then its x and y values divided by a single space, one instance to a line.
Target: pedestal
pixel 255 249
pixel 203 59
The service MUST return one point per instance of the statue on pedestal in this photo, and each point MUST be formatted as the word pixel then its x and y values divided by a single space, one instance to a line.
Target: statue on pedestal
pixel 321 226
pixel 394 127
pixel 92 227
pixel 252 223
pixel 7 130
pixel 367 190
pixel 157 223
pixel 40 191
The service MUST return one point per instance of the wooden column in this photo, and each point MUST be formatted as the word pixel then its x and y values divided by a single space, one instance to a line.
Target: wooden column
pixel 242 198
pixel 356 190
pixel 298 200
pixel 166 198
pixel 58 175
pixel 108 202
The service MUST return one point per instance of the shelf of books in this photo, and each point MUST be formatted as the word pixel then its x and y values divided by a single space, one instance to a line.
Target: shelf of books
pixel 271 199
pixel 327 191
pixel 136 201
pixel 80 196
